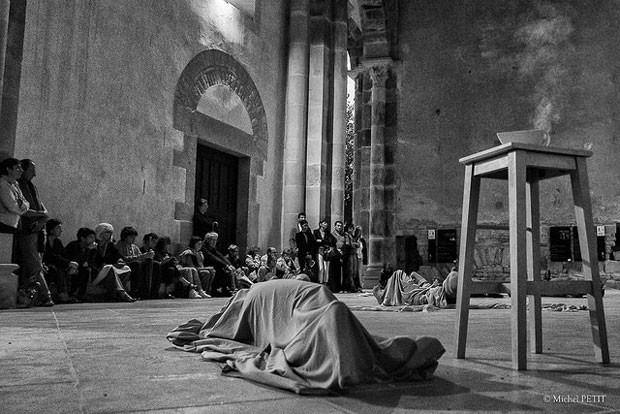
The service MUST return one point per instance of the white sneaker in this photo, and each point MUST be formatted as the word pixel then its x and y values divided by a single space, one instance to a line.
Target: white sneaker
pixel 194 295
pixel 204 294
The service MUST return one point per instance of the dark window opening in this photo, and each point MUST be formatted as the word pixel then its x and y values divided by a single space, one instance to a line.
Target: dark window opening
pixel 442 247
pixel 564 244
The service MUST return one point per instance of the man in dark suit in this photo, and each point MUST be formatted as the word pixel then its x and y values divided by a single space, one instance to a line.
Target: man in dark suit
pixel 305 245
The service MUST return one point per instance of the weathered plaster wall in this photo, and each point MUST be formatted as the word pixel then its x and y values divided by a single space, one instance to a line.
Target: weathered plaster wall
pixel 474 68
pixel 97 95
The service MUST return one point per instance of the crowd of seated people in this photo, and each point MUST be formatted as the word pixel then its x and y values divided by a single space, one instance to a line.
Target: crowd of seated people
pixel 94 267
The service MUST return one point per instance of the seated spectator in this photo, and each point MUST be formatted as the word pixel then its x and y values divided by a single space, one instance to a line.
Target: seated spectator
pixel 224 281
pixel 94 281
pixel 82 251
pixel 141 264
pixel 193 258
pixel 267 270
pixel 58 268
pixel 233 256
pixel 286 268
pixel 252 263
pixel 241 280
pixel 172 281
pixel 307 269
pixel 109 263
pixel 149 241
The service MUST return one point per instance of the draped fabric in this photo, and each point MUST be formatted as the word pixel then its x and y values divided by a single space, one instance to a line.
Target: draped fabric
pixel 297 336
pixel 404 289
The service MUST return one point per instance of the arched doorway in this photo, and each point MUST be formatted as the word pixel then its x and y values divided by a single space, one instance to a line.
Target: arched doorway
pixel 207 135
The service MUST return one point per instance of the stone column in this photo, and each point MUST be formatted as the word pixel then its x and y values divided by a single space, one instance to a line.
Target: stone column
pixel 317 173
pixel 339 111
pixel 379 75
pixel 294 174
pixel 364 113
pixel 358 76
pixel 5 6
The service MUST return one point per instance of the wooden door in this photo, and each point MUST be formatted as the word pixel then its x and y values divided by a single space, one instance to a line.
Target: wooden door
pixel 216 181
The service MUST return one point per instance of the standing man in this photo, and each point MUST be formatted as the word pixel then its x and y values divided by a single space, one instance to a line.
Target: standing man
pixel 335 265
pixel 30 238
pixel 305 246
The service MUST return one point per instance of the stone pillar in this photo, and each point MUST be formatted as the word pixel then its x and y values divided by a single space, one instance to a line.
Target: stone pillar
pixel 376 257
pixel 5 6
pixel 358 77
pixel 339 111
pixel 317 173
pixel 294 175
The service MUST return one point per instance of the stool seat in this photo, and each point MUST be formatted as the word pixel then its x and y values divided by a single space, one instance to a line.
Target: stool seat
pixel 524 166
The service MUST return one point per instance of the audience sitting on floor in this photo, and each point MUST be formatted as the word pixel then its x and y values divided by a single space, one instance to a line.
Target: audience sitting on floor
pixel 149 240
pixel 192 261
pixel 224 283
pixel 141 264
pixel 252 263
pixel 242 281
pixel 57 268
pixel 166 265
pixel 286 266
pixel 95 268
pixel 267 269
pixel 95 279
pixel 109 265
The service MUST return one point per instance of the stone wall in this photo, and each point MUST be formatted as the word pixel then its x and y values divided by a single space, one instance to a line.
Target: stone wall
pixel 97 98
pixel 492 258
pixel 471 69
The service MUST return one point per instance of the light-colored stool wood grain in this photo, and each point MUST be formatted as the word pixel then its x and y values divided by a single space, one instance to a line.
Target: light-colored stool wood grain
pixel 524 166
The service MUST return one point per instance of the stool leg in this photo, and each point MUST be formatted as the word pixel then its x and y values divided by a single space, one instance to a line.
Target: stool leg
pixel 518 259
pixel 587 243
pixel 471 194
pixel 533 265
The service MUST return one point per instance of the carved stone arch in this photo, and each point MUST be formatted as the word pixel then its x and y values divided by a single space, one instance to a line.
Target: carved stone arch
pixel 214 67
pixel 210 68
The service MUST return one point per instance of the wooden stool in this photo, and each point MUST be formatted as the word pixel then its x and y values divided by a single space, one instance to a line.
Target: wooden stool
pixel 524 165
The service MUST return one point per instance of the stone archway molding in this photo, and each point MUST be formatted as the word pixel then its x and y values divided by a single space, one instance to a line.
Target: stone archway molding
pixel 214 67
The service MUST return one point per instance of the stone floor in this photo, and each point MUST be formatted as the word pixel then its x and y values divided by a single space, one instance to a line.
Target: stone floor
pixel 114 358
